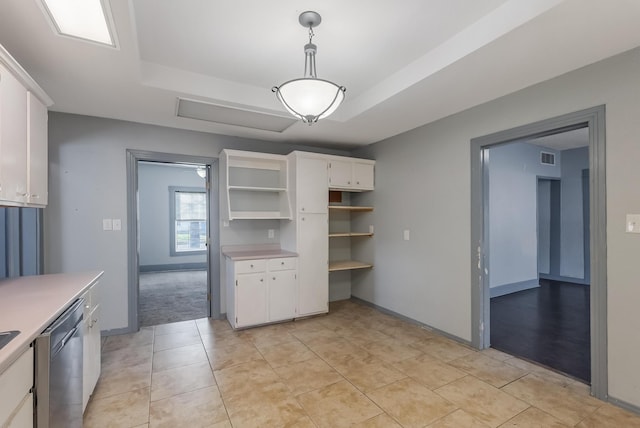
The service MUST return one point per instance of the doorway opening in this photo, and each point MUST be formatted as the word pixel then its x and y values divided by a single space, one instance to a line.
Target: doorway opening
pixel 593 120
pixel 172 224
pixel 173 251
pixel 539 293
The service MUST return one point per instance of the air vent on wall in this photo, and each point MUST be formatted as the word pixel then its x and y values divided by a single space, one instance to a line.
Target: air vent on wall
pixel 547 158
pixel 200 110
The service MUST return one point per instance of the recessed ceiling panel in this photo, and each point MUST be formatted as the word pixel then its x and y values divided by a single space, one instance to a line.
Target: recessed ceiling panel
pixel 199 110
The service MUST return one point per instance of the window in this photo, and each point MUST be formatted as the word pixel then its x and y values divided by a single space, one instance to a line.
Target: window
pixel 188 220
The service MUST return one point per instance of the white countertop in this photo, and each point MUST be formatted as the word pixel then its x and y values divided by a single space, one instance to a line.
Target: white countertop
pixel 252 252
pixel 31 303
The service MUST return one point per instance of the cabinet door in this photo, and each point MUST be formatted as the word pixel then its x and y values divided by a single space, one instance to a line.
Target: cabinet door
pixel 23 418
pixel 13 138
pixel 37 151
pixel 251 299
pixel 311 185
pixel 362 176
pixel 95 348
pixel 282 295
pixel 313 270
pixel 339 173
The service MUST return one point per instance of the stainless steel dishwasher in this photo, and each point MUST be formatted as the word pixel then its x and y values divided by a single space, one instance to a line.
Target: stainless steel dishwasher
pixel 58 377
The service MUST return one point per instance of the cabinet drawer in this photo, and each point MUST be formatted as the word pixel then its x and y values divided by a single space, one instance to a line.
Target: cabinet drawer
pixel 15 383
pixel 284 263
pixel 251 266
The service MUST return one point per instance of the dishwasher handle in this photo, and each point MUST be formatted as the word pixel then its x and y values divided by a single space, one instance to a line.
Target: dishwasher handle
pixel 66 338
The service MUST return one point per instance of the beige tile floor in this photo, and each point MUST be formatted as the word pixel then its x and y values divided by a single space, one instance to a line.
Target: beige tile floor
pixel 354 367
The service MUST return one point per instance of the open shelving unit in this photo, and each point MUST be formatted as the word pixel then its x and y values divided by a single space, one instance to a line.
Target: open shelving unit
pixel 256 185
pixel 340 229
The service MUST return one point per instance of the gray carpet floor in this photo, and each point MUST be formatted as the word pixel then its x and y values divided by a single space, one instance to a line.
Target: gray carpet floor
pixel 167 297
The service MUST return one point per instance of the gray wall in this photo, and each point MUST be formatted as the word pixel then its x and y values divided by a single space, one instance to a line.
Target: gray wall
pixel 87 182
pixel 571 221
pixel 423 184
pixel 154 180
pixel 513 180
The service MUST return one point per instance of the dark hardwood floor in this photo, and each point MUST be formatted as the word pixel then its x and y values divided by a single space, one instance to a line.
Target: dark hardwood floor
pixel 548 325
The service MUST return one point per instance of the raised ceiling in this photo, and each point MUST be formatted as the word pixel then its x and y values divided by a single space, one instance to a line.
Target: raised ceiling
pixel 404 63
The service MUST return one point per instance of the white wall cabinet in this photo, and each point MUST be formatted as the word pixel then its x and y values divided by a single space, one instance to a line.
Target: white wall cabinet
pixel 13 139
pixel 350 174
pixel 260 291
pixel 23 136
pixel 16 399
pixel 37 151
pixel 91 356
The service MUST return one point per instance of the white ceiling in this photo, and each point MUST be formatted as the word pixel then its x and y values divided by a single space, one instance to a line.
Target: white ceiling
pixel 404 63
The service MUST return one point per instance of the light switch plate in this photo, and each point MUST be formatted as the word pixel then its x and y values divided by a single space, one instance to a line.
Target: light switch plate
pixel 633 223
pixel 107 224
pixel 406 234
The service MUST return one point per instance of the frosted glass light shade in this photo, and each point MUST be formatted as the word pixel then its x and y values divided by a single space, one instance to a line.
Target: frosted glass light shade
pixel 310 99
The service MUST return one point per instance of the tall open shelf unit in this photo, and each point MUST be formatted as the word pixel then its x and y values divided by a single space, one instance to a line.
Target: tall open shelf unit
pixel 256 185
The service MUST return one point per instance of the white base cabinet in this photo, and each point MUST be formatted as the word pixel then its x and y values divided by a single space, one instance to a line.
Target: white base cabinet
pixel 261 291
pixel 91 355
pixel 16 398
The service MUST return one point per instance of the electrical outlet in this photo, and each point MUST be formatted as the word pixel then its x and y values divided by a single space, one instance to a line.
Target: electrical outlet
pixel 406 234
pixel 370 228
pixel 271 233
pixel 633 223
pixel 117 224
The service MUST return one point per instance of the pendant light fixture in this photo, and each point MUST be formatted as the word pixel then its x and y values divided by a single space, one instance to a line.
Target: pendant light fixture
pixel 310 98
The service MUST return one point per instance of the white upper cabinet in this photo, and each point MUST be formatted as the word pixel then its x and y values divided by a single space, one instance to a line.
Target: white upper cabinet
pixel 37 152
pixel 13 138
pixel 311 185
pixel 340 173
pixel 350 174
pixel 23 136
pixel 363 175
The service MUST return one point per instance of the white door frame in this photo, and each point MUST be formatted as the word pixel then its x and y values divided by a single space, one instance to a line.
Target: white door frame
pixel 594 119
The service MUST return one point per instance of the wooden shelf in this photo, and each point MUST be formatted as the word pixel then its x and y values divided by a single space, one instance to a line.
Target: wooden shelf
pixel 349 208
pixel 258 189
pixel 348 265
pixel 349 234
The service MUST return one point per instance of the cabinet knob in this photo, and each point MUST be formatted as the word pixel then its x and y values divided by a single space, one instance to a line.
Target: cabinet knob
pixel 261 279
pixel 251 265
pixel 282 263
pixel 357 182
pixel 274 278
pixel 348 182
pixel 302 208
